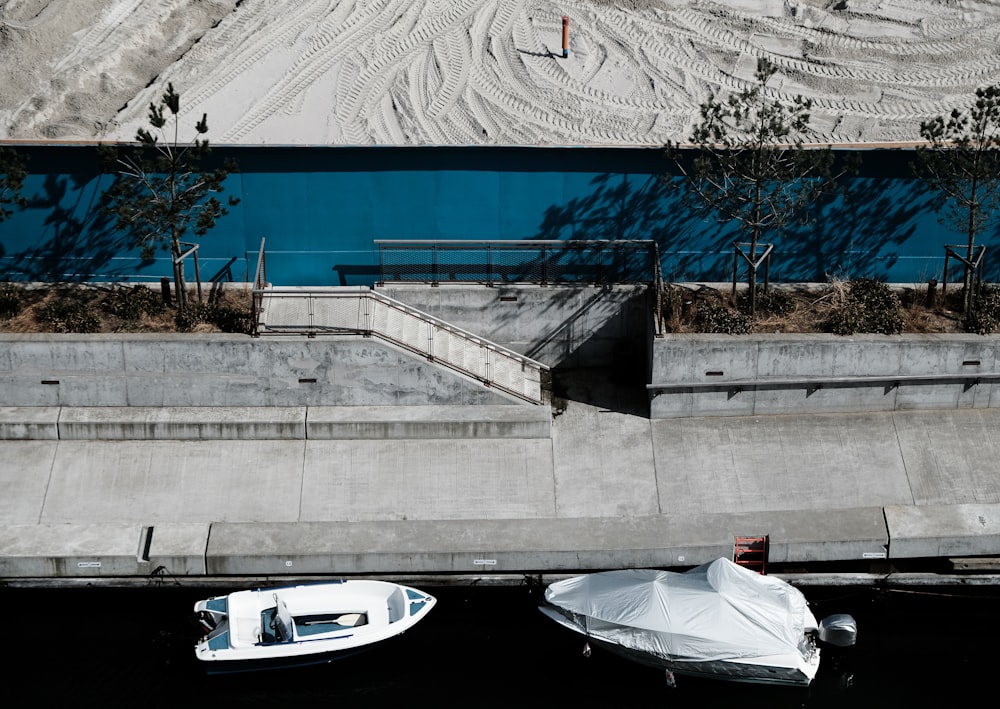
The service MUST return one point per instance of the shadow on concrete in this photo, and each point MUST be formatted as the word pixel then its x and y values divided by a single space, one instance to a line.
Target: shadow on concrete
pixel 618 389
pixel 561 348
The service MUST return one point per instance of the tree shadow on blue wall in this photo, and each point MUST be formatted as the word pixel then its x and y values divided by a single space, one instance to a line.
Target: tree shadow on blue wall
pixel 76 238
pixel 857 231
pixel 640 207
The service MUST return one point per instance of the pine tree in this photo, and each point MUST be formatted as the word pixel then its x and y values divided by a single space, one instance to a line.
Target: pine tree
pixel 751 167
pixel 12 174
pixel 160 191
pixel 961 161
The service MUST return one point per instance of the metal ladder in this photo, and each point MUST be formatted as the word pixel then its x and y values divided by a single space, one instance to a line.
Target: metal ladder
pixel 751 553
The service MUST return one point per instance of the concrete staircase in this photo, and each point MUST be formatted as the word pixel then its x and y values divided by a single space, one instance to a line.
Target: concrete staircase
pixel 330 311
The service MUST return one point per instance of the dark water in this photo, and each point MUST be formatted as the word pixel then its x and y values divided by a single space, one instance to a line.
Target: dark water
pixel 480 647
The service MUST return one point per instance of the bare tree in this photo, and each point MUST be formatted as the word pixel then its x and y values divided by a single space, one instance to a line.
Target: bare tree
pixel 12 174
pixel 961 162
pixel 752 167
pixel 160 191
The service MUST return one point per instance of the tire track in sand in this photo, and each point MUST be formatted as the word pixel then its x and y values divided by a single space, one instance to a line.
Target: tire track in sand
pixel 481 71
pixel 198 77
pixel 333 40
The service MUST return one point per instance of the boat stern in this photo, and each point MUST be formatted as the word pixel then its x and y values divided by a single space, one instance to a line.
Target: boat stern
pixel 212 618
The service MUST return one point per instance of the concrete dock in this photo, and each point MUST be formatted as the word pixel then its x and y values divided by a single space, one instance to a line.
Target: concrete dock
pixel 605 489
pixel 587 480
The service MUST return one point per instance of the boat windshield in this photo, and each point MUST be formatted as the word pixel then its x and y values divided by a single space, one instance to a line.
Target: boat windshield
pixel 274 624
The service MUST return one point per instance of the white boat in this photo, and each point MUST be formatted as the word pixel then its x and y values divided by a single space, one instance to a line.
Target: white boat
pixel 302 625
pixel 719 620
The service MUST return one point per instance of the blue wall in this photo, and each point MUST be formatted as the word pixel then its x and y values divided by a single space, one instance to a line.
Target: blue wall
pixel 321 209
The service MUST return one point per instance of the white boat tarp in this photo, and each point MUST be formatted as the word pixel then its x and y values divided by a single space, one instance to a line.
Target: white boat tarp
pixel 717 611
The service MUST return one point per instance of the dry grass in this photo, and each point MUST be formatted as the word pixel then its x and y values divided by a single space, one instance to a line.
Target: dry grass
pixel 91 300
pixel 812 307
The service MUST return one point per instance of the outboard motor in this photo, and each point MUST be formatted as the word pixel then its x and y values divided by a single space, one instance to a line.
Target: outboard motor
pixel 206 620
pixel 839 630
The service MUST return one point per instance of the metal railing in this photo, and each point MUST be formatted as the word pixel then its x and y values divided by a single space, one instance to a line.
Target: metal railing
pixel 815 383
pixel 260 274
pixel 313 312
pixel 543 262
pixel 259 284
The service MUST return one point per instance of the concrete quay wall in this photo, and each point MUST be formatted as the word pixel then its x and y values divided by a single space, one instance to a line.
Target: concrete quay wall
pixel 752 375
pixel 254 423
pixel 192 370
pixel 486 547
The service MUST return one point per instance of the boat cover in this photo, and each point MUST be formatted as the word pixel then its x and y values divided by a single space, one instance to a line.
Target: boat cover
pixel 717 611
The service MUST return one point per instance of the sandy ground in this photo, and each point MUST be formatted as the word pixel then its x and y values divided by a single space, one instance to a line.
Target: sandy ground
pixel 458 72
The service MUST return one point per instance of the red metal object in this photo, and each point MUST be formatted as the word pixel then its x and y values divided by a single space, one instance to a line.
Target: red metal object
pixel 751 553
pixel 565 46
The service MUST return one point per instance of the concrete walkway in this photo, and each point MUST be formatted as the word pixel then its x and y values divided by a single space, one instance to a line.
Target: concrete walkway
pixel 590 487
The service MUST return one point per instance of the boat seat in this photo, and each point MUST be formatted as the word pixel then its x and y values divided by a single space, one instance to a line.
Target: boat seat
pixel 352 620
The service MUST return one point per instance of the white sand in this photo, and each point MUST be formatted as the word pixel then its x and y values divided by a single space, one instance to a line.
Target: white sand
pixel 458 72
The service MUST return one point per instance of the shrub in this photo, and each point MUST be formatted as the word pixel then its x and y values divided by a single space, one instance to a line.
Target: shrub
pixel 773 301
pixel 870 306
pixel 719 319
pixel 194 314
pixel 227 317
pixel 985 315
pixel 65 314
pixel 11 300
pixel 132 303
pixel 231 318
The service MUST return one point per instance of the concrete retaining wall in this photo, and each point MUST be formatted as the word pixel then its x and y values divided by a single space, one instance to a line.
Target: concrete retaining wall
pixel 254 423
pixel 425 547
pixel 560 326
pixel 943 530
pixel 490 546
pixel 725 375
pixel 224 370
pixel 102 550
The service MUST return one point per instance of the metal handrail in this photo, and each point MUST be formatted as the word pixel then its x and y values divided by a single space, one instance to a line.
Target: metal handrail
pixel 260 275
pixel 817 382
pixel 657 292
pixel 259 283
pixel 488 246
pixel 513 244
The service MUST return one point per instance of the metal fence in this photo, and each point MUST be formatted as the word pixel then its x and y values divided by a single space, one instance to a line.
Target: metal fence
pixel 542 262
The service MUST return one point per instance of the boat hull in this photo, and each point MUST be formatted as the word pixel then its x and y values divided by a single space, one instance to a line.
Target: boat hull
pixel 728 670
pixel 297 626
pixel 220 667
pixel 718 670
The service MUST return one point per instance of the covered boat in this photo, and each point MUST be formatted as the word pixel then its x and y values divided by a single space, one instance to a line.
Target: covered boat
pixel 302 625
pixel 718 620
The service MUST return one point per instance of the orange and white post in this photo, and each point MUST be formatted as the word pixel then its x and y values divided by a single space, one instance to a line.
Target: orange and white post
pixel 565 20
